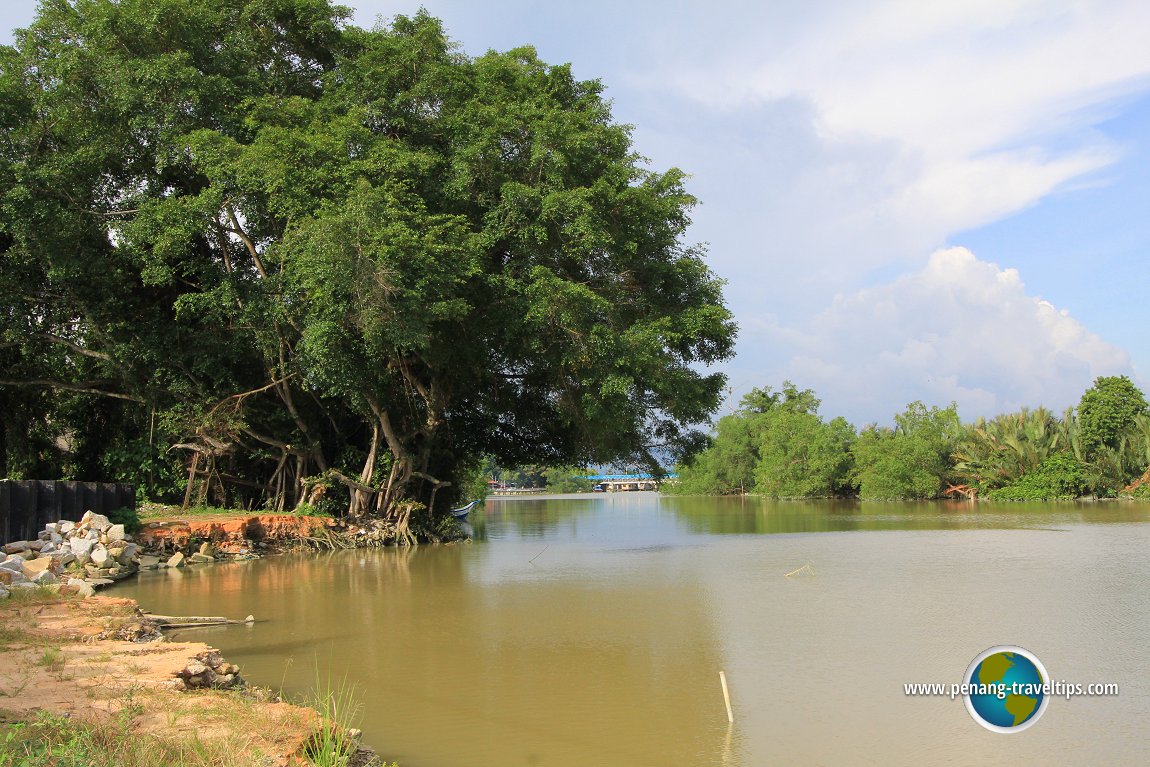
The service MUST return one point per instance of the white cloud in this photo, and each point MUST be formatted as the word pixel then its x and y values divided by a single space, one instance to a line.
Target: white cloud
pixel 959 329
pixel 923 119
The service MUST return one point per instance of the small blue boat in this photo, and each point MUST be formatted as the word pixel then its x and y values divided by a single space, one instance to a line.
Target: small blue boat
pixel 463 511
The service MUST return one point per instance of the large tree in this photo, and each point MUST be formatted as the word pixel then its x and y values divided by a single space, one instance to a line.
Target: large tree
pixel 910 461
pixel 297 253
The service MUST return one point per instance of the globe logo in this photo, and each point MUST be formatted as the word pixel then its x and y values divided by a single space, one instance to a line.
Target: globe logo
pixel 1007 691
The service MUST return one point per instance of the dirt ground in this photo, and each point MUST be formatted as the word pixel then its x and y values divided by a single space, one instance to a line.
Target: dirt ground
pixel 76 657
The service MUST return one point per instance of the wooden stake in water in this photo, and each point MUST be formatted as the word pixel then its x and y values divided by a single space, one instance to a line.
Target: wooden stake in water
pixel 726 696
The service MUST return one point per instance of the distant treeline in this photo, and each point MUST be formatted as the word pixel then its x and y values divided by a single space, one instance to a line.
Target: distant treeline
pixel 776 444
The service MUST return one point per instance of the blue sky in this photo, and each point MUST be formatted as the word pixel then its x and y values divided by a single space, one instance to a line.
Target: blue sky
pixel 937 201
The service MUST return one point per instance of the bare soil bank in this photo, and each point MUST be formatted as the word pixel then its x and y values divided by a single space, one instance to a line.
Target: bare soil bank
pixel 98 658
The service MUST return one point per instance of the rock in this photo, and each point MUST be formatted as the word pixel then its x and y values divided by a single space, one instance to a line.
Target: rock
pixel 66 558
pixel 4 593
pixel 95 521
pixel 195 668
pixel 48 548
pixel 116 533
pixel 14 563
pixel 3 556
pixel 8 577
pixel 201 559
pixel 176 560
pixel 66 527
pixel 81 546
pixel 250 619
pixel 16 547
pixel 86 589
pixel 36 545
pixel 52 527
pixel 149 563
pixel 23 585
pixel 206 549
pixel 45 578
pixel 56 539
pixel 37 566
pixel 100 555
pixel 127 555
pixel 99 581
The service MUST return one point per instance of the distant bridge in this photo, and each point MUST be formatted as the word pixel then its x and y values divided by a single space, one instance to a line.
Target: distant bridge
pixel 613 483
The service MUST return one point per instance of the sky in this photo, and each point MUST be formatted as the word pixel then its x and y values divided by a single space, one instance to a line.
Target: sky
pixel 941 201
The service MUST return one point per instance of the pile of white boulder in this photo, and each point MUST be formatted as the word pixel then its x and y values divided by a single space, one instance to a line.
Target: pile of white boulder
pixel 80 555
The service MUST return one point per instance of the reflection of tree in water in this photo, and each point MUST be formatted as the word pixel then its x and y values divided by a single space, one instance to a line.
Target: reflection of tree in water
pixel 535 518
pixel 753 515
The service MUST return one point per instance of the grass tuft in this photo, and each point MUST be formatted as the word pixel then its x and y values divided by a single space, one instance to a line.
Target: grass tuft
pixel 52 659
pixel 333 745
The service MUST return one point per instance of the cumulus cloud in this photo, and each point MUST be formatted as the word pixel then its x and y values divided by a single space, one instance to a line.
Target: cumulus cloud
pixel 923 119
pixel 959 329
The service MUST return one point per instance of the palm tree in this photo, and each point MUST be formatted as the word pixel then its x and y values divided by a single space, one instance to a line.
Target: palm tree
pixel 995 453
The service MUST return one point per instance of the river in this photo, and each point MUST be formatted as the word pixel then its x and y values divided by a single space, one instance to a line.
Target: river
pixel 590 630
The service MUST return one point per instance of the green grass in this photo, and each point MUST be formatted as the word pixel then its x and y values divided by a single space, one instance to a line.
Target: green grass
pixel 51 740
pixel 159 511
pixel 56 741
pixel 52 659
pixel 148 511
pixel 339 708
pixel 40 595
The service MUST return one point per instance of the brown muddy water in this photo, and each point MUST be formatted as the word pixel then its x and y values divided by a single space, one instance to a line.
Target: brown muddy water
pixel 591 631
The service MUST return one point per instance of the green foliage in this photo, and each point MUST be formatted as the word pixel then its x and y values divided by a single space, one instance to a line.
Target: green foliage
pixel 1060 476
pixel 801 456
pixel 568 479
pixel 283 247
pixel 307 510
pixel 473 481
pixel 157 474
pixel 911 461
pixel 338 706
pixel 774 444
pixel 1108 412
pixel 994 453
pixel 127 517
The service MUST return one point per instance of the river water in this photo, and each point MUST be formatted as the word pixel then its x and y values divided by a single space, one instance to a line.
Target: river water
pixel 591 630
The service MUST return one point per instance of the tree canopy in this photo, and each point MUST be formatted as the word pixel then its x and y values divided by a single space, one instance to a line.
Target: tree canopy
pixel 253 252
pixel 775 444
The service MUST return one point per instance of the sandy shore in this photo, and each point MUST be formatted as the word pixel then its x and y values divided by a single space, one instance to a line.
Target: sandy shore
pixel 76 657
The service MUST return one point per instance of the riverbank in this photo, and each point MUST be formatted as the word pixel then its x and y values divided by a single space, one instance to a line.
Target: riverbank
pixel 93 679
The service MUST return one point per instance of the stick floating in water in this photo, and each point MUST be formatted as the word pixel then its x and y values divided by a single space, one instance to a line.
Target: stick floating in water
pixel 805 569
pixel 726 696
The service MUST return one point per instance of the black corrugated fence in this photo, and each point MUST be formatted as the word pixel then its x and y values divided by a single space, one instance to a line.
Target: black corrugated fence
pixel 27 505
